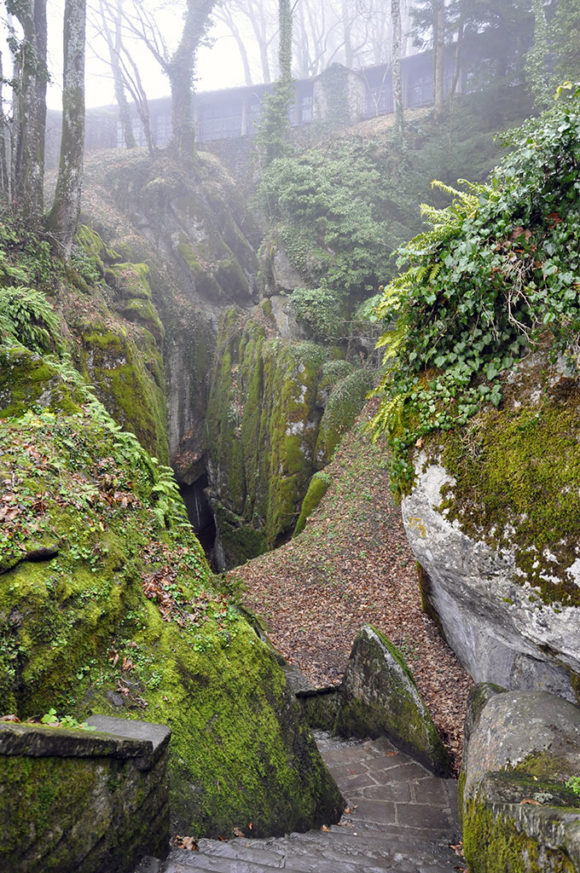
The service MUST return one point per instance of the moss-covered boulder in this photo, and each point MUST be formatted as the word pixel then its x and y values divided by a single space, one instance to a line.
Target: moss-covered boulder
pixel 520 811
pixel 345 401
pixel 107 605
pixel 494 520
pixel 379 697
pixel 195 224
pixel 265 427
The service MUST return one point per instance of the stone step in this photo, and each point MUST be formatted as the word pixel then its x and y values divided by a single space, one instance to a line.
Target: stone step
pixel 372 851
pixel 402 820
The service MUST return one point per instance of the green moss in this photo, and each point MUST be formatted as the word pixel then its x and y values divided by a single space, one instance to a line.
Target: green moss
pixel 239 540
pixel 130 280
pixel 517 473
pixel 493 844
pixel 379 701
pixel 127 374
pixel 262 424
pixel 319 485
pixel 344 404
pixel 143 312
pixel 41 784
pixel 27 379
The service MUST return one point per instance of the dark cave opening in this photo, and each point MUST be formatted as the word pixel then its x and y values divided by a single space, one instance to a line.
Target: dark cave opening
pixel 200 513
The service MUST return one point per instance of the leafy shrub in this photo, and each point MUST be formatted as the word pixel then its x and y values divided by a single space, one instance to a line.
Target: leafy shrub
pixel 498 272
pixel 332 214
pixel 27 317
pixel 321 311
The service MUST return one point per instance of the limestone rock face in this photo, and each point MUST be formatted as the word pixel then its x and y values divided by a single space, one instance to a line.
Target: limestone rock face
pixel 522 750
pixel 499 630
pixel 493 519
pixel 379 696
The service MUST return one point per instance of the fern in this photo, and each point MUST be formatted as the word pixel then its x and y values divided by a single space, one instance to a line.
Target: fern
pixel 27 317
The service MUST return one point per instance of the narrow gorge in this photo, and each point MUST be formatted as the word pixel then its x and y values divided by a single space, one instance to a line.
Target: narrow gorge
pixel 202 512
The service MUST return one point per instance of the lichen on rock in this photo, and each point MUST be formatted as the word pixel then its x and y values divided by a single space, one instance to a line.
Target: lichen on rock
pixel 518 813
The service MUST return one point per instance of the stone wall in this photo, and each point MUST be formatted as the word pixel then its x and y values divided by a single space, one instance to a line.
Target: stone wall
pixel 83 801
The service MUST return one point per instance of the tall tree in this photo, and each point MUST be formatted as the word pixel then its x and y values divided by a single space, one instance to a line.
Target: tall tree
pixel 29 105
pixel 63 218
pixel 111 18
pixel 274 127
pixel 181 71
pixel 140 22
pixel 396 66
pixel 438 56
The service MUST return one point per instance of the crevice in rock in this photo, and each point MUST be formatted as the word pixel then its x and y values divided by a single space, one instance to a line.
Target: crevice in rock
pixel 200 513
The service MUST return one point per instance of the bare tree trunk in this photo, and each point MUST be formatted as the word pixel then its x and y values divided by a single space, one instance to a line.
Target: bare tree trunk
pixel 64 215
pixel 30 107
pixel 181 70
pixel 346 23
pixel 439 55
pixel 241 47
pixel 396 67
pixel 5 188
pixel 458 62
pixel 135 86
pixel 115 47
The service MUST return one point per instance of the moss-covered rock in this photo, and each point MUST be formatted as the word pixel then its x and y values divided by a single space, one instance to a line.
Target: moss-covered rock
pixel 319 485
pixel 493 519
pixel 77 800
pixel 519 811
pixel 126 371
pixel 262 425
pixel 28 379
pixel 345 401
pixel 380 697
pixel 121 616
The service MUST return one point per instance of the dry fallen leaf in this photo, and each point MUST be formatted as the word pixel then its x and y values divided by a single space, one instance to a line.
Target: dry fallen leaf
pixel 185 843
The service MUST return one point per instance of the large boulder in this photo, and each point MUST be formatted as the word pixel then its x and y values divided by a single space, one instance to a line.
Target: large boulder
pixel 107 606
pixel 520 811
pixel 494 520
pixel 378 696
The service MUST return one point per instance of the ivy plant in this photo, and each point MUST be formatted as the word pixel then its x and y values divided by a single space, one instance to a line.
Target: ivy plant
pixel 497 274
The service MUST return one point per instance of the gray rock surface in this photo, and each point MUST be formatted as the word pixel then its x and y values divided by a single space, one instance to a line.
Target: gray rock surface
pixel 523 748
pixel 499 629
pixel 379 697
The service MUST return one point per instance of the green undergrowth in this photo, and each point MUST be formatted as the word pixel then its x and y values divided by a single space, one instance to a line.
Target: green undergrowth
pixel 498 275
pixel 98 311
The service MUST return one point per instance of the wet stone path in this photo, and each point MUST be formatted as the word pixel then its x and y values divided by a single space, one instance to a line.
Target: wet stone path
pixel 399 817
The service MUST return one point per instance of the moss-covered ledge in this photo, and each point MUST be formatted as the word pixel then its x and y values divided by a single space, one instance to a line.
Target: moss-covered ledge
pixel 92 801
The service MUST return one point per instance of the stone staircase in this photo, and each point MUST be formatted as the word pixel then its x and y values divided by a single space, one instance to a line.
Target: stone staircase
pixel 399 817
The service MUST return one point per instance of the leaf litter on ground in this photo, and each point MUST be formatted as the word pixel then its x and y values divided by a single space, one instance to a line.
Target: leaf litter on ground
pixel 352 565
